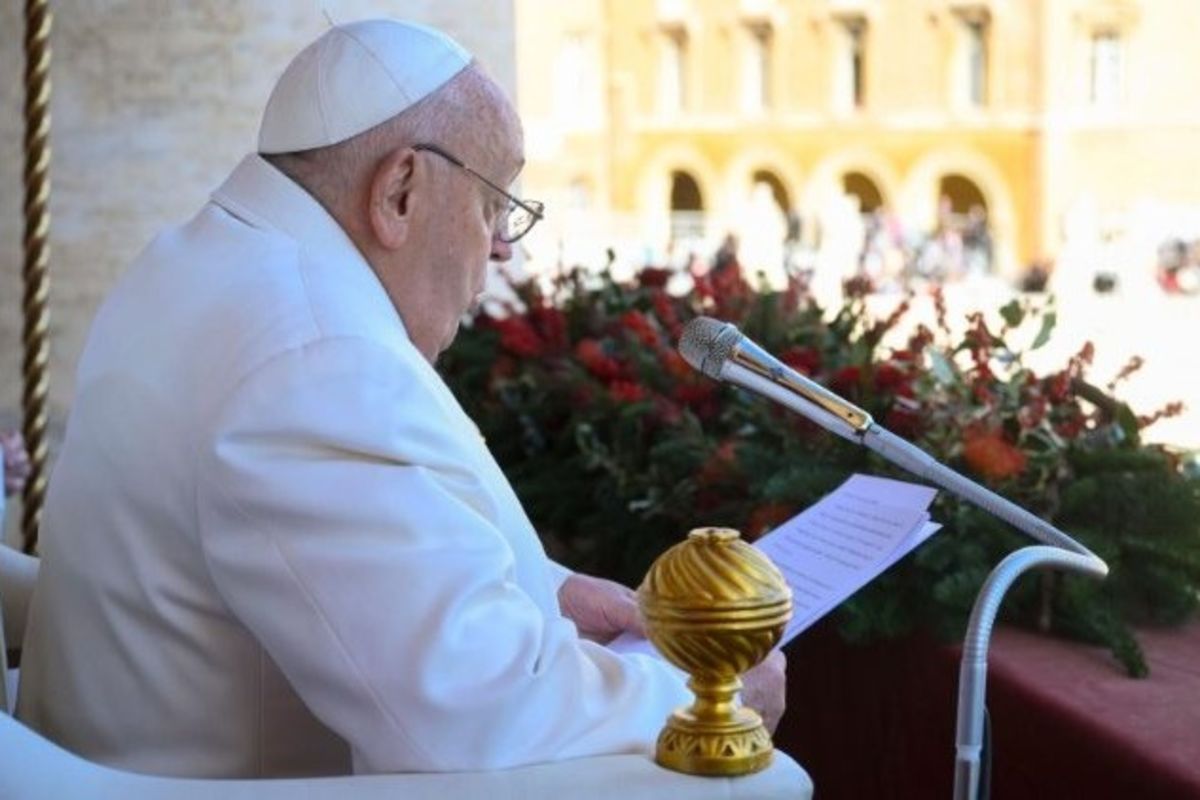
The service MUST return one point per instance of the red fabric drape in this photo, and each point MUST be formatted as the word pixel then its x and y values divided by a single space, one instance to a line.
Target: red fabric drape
pixel 877 721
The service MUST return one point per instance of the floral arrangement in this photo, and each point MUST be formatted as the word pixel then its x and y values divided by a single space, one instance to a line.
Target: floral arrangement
pixel 617 447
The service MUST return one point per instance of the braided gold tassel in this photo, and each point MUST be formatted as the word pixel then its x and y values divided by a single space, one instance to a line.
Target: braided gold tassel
pixel 35 334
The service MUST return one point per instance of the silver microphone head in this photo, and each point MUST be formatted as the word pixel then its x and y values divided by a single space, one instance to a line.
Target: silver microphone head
pixel 706 344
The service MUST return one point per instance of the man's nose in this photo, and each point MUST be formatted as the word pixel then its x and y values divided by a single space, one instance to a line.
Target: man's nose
pixel 501 250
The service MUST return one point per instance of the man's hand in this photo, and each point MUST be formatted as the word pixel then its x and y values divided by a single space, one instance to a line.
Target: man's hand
pixel 16 462
pixel 765 689
pixel 601 609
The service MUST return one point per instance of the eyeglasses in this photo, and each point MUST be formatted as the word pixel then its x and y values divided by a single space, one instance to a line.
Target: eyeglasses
pixel 518 217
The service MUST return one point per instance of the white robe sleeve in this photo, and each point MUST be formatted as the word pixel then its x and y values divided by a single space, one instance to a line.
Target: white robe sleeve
pixel 558 573
pixel 352 536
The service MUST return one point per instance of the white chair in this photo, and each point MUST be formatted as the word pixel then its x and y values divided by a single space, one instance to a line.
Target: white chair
pixel 33 767
pixel 17 575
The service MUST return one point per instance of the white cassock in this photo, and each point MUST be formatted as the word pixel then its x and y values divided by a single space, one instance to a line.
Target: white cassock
pixel 274 543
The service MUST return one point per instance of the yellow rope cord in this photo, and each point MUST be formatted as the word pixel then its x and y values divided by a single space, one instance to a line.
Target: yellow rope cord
pixel 37 251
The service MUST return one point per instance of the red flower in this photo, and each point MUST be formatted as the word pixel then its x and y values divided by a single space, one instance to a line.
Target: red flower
pixel 806 360
pixel 551 325
pixel 989 454
pixel 978 338
pixel 699 397
pixel 675 366
pixel 720 466
pixel 641 327
pixel 766 517
pixel 845 380
pixel 654 277
pixel 888 377
pixel 983 393
pixel 1059 386
pixel 730 291
pixel 591 354
pixel 1032 413
pixel 626 392
pixel 1071 427
pixel 518 337
pixel 858 286
pixel 665 312
pixel 903 421
pixel 920 340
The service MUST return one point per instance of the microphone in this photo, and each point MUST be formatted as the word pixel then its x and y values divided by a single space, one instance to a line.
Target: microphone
pixel 720 351
pixel 723 353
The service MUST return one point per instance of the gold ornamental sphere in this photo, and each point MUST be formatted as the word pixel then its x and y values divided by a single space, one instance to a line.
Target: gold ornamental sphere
pixel 714 607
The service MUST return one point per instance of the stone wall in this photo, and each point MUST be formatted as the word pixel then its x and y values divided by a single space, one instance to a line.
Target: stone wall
pixel 154 101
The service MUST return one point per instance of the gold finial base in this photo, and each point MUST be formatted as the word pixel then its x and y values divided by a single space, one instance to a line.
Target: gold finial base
pixel 697 747
pixel 714 607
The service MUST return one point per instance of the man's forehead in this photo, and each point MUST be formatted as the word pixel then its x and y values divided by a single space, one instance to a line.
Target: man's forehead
pixel 503 144
pixel 515 141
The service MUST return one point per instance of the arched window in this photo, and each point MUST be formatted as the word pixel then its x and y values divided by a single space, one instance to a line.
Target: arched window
pixel 849 73
pixel 778 190
pixel 962 210
pixel 673 71
pixel 961 194
pixel 861 186
pixel 685 192
pixel 1105 80
pixel 687 208
pixel 756 67
pixel 970 79
pixel 578 97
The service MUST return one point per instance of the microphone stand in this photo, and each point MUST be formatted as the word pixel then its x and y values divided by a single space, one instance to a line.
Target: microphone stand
pixel 972 671
pixel 1063 552
pixel 748 366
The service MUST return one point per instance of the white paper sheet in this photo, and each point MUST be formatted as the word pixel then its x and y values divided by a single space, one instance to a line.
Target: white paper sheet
pixel 837 545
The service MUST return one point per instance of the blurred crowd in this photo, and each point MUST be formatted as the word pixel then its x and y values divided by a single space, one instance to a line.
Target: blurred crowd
pixel 1178 268
pixel 877 245
pixel 893 256
pixel 959 246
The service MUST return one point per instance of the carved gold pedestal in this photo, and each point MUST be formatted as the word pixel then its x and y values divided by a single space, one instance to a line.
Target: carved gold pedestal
pixel 715 607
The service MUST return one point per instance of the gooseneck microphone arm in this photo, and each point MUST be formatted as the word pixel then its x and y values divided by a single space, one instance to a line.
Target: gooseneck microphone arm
pixel 720 351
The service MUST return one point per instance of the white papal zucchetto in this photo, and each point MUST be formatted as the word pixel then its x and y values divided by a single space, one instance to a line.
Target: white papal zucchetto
pixel 354 77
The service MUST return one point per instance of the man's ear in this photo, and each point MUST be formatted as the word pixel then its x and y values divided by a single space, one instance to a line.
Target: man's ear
pixel 391 197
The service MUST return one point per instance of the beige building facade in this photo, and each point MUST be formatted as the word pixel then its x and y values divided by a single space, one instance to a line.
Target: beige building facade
pixel 653 126
pixel 1069 123
pixel 154 101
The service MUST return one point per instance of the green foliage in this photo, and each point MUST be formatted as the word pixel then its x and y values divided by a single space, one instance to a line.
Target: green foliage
pixel 617 448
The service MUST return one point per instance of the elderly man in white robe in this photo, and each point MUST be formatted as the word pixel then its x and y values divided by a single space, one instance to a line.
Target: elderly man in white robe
pixel 274 544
